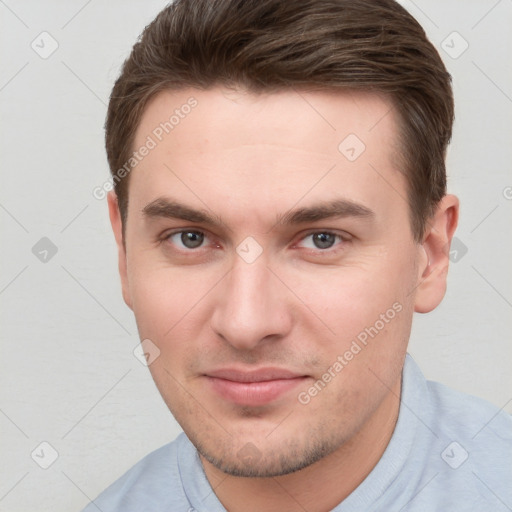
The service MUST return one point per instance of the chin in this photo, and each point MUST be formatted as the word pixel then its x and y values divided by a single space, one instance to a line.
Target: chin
pixel 251 462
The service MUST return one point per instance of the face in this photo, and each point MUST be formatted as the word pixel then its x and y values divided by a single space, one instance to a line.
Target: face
pixel 270 262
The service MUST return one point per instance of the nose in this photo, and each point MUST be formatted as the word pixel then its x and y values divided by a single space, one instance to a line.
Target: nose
pixel 251 306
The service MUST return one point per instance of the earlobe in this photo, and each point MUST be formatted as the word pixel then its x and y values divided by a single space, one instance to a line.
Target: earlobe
pixel 433 261
pixel 117 228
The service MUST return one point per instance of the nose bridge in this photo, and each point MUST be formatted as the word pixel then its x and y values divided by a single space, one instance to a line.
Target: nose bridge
pixel 248 279
pixel 249 308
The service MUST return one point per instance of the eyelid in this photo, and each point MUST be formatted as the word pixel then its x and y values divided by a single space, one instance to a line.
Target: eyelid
pixel 165 237
pixel 337 232
pixel 342 235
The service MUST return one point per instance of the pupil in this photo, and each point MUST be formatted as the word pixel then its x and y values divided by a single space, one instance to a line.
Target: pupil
pixel 192 239
pixel 323 240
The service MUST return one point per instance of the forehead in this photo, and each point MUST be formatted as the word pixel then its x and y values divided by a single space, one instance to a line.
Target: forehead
pixel 232 146
pixel 293 115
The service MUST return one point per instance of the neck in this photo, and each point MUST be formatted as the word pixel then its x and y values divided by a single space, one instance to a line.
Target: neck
pixel 321 486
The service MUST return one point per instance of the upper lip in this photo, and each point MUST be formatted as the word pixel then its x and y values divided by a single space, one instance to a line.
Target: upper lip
pixel 259 375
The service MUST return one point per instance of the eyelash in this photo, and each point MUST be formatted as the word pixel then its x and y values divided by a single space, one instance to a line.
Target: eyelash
pixel 167 236
pixel 341 239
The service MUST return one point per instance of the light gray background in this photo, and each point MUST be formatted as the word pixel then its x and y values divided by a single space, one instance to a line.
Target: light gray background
pixel 68 373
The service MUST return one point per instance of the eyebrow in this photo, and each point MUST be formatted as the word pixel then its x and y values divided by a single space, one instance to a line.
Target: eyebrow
pixel 338 208
pixel 168 209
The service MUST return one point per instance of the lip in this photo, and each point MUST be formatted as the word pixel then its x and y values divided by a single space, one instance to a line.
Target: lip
pixel 255 387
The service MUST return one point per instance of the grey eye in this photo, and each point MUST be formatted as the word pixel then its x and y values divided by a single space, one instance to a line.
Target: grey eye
pixel 323 240
pixel 192 239
pixel 188 239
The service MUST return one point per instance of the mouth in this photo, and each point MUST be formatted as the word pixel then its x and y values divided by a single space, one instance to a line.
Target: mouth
pixel 253 388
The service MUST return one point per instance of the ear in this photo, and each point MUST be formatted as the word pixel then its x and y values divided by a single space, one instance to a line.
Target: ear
pixel 434 261
pixel 117 228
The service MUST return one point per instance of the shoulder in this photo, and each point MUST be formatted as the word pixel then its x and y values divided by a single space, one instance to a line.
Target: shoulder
pixel 451 412
pixel 473 447
pixel 454 450
pixel 152 484
pixel 469 416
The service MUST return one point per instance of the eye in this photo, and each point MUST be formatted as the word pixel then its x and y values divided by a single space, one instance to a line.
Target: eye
pixel 189 239
pixel 320 240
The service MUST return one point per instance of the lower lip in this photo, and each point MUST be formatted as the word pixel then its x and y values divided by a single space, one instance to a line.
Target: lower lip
pixel 253 393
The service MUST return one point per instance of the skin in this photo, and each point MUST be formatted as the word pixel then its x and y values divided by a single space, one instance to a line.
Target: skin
pixel 247 160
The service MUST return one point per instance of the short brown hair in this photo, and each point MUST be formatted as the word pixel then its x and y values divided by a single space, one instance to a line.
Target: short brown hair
pixel 271 45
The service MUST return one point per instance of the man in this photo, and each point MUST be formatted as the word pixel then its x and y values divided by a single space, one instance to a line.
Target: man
pixel 280 211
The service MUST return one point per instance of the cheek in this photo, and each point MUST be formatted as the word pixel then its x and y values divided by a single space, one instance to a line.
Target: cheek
pixel 368 310
pixel 348 299
pixel 163 297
